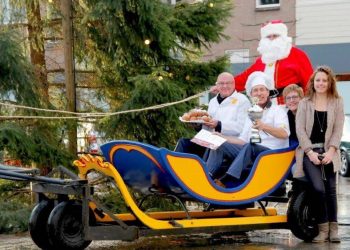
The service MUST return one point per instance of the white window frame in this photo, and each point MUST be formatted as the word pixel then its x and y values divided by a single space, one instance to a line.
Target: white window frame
pixel 171 2
pixel 5 16
pixel 204 99
pixel 238 55
pixel 8 13
pixel 259 5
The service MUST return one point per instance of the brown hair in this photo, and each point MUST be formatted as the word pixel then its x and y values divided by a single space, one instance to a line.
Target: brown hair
pixel 332 88
pixel 291 88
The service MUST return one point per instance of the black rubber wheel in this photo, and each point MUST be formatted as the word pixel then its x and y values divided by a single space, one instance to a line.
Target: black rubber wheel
pixel 301 219
pixel 38 224
pixel 65 226
pixel 345 161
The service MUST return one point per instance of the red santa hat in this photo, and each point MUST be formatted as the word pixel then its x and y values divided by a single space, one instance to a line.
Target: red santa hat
pixel 258 78
pixel 274 27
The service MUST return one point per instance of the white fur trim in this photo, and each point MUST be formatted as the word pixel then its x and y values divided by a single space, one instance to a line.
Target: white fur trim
pixel 274 28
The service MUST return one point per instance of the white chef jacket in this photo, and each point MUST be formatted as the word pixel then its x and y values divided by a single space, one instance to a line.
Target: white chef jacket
pixel 274 116
pixel 231 112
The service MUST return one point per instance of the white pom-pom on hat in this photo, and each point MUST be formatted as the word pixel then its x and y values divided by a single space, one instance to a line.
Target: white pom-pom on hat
pixel 274 27
pixel 258 78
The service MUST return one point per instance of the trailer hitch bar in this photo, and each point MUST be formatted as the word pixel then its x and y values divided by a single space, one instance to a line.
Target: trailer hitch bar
pixel 20 174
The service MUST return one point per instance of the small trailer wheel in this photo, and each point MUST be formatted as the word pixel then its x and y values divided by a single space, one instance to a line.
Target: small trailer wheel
pixel 38 223
pixel 65 226
pixel 300 216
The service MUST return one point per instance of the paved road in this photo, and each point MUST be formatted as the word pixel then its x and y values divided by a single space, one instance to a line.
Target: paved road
pixel 255 240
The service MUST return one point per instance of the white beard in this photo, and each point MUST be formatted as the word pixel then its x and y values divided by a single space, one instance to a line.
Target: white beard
pixel 273 50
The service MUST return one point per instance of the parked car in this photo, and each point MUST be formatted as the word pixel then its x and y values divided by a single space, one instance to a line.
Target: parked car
pixel 345 148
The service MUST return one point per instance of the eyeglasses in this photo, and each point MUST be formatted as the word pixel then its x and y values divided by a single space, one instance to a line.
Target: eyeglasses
pixel 292 98
pixel 223 83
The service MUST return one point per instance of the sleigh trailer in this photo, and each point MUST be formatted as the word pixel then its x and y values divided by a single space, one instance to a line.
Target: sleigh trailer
pixel 67 216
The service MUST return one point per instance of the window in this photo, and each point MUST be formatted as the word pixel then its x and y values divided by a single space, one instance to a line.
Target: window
pixel 238 55
pixel 172 2
pixel 205 98
pixel 10 13
pixel 264 2
pixel 267 4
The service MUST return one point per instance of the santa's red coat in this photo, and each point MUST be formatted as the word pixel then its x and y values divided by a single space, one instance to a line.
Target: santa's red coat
pixel 296 68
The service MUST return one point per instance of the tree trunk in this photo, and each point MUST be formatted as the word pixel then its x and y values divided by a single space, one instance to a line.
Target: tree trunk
pixel 36 43
pixel 67 31
pixel 37 56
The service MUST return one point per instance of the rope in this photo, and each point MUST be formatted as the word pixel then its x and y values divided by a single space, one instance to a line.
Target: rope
pixel 36 109
pixel 89 115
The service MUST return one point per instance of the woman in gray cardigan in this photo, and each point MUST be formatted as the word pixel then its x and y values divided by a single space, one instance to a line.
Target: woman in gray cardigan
pixel 319 126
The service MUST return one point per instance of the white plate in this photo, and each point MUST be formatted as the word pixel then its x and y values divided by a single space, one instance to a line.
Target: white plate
pixel 195 121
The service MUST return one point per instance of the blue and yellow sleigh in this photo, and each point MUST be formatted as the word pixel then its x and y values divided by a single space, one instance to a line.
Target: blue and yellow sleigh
pixel 149 169
pixel 70 217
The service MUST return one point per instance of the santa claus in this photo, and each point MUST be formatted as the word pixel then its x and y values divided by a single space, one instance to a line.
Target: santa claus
pixel 282 62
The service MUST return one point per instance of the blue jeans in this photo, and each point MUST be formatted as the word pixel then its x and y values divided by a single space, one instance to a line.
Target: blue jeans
pixel 216 157
pixel 244 159
pixel 242 156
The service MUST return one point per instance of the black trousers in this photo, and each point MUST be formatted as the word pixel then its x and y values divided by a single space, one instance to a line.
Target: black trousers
pixel 185 145
pixel 324 184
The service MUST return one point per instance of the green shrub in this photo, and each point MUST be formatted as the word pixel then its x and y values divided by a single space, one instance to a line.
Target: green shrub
pixel 15 206
pixel 14 216
pixel 110 197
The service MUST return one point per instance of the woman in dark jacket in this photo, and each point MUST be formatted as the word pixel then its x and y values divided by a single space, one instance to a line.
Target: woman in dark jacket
pixel 292 95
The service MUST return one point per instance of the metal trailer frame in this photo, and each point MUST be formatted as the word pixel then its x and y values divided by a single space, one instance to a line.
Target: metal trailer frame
pixel 122 231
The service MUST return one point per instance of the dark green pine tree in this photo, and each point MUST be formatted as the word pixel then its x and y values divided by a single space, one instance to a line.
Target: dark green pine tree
pixel 147 53
pixel 31 141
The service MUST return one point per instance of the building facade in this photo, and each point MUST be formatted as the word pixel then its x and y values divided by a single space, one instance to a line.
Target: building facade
pixel 323 31
pixel 244 26
pixel 320 28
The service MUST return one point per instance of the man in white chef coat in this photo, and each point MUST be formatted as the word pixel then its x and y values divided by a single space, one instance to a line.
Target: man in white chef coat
pixel 228 110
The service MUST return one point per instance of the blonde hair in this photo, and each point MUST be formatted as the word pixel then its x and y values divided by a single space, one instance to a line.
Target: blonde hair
pixel 332 88
pixel 292 88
